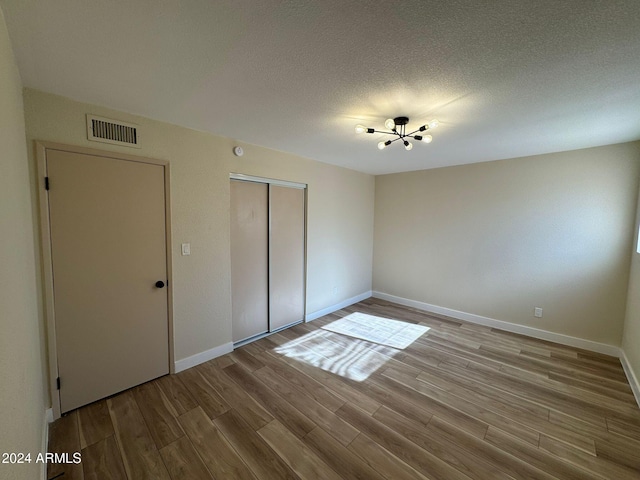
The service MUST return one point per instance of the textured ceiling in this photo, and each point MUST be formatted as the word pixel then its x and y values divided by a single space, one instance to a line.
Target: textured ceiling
pixel 506 78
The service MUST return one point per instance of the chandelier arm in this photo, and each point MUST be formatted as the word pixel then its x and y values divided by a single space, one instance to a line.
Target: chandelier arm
pixel 386 133
pixel 413 133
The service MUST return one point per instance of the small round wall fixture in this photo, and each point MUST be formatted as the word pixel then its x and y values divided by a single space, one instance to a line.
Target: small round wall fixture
pixel 398 129
pixel 238 151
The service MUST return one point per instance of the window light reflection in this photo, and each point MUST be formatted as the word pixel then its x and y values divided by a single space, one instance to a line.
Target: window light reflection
pixel 350 357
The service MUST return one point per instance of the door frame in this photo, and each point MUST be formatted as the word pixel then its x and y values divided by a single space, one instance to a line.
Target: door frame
pixel 41 148
pixel 282 183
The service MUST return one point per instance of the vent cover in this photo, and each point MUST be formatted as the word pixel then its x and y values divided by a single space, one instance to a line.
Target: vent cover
pixel 112 131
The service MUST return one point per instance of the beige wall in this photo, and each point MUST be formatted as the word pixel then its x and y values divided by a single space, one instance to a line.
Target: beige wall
pixel 340 213
pixel 497 239
pixel 22 404
pixel 631 337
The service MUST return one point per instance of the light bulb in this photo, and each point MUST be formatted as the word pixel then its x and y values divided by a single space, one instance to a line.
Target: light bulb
pixel 408 145
pixel 427 138
pixel 381 145
pixel 361 129
pixel 390 124
pixel 434 123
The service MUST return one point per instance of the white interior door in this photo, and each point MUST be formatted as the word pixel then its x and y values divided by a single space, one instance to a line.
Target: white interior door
pixel 108 246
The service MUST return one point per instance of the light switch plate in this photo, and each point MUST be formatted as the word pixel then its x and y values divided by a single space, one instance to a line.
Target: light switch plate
pixel 186 249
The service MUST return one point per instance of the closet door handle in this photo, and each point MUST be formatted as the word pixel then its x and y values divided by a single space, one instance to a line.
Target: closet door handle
pixel 160 284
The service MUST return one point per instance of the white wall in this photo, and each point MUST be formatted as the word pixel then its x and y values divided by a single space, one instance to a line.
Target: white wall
pixel 340 213
pixel 493 239
pixel 631 337
pixel 497 239
pixel 22 397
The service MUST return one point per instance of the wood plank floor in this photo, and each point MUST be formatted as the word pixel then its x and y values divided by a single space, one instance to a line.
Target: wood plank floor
pixel 461 402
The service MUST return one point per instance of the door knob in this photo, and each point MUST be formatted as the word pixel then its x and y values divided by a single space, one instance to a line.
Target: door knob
pixel 160 284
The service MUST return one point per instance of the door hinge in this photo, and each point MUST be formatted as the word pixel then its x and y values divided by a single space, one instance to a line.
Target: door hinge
pixel 46 183
pixel 58 383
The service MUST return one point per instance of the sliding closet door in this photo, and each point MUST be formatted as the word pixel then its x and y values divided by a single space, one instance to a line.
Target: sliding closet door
pixel 286 256
pixel 249 258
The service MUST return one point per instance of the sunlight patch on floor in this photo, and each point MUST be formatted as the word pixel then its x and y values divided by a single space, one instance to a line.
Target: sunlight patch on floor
pixel 353 358
pixel 384 331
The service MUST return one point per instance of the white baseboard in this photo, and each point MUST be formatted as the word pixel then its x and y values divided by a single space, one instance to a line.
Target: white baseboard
pixel 345 303
pixel 631 375
pixel 202 357
pixel 590 345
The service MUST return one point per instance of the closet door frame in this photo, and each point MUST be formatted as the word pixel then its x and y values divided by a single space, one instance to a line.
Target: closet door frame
pixel 281 183
pixel 270 181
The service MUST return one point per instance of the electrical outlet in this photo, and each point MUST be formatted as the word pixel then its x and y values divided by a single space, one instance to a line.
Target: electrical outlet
pixel 537 312
pixel 335 291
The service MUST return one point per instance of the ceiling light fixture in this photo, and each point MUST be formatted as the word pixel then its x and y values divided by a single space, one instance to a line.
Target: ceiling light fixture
pixel 398 127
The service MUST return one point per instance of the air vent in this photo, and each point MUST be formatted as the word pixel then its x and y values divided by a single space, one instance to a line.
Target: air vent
pixel 112 131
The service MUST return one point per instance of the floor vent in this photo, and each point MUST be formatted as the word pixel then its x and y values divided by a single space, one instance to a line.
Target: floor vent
pixel 111 131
